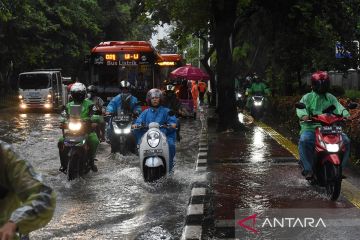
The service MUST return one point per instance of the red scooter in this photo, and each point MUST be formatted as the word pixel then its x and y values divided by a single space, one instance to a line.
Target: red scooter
pixel 329 150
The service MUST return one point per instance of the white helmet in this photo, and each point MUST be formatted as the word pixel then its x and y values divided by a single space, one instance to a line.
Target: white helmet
pixel 78 92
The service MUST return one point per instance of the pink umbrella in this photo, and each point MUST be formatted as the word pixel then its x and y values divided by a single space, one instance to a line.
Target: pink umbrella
pixel 190 73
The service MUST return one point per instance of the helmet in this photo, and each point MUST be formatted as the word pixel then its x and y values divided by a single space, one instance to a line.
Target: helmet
pixel 78 92
pixel 153 93
pixel 256 78
pixel 124 85
pixel 92 89
pixel 170 87
pixel 320 82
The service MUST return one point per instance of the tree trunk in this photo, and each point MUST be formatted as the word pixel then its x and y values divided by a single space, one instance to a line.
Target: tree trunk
pixel 224 12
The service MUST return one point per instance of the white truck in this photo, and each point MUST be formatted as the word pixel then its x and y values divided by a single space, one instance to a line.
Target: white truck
pixel 42 89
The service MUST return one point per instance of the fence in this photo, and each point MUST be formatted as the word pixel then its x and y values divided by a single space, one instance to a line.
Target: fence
pixel 349 81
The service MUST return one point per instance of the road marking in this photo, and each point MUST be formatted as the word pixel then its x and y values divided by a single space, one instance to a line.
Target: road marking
pixel 350 192
pixel 198 191
pixel 192 232
pixel 196 209
pixel 203 160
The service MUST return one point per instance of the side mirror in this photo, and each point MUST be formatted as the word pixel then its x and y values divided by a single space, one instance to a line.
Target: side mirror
pixel 352 105
pixel 300 105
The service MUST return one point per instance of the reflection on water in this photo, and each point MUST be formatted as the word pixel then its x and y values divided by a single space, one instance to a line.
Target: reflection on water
pixel 257 146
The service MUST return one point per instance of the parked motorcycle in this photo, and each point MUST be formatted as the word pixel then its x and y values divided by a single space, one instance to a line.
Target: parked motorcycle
pixel 121 138
pixel 154 153
pixel 76 149
pixel 257 106
pixel 329 150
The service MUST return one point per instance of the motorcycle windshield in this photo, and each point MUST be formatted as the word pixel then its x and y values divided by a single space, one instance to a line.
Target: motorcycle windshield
pixel 75 111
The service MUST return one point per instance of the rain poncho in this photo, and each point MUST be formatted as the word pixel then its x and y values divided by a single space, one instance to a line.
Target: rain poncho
pixel 24 199
pixel 315 104
pixel 117 102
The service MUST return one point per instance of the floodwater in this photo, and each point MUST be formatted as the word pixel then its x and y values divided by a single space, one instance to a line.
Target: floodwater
pixel 113 203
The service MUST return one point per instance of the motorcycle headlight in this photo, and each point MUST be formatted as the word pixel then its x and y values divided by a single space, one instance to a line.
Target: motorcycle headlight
pixel 153 139
pixel 117 130
pixel 332 147
pixel 259 103
pixel 239 95
pixel 75 126
pixel 127 130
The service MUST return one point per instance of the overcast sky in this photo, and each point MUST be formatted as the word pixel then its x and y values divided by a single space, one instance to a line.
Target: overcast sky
pixel 161 33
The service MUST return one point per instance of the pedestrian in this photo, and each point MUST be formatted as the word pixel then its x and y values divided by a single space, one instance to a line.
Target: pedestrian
pixel 195 94
pixel 202 89
pixel 26 203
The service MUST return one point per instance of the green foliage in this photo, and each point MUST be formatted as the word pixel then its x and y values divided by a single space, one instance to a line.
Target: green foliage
pixel 352 94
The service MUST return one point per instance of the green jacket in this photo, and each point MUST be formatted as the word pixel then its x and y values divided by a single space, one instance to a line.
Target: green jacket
pixel 24 199
pixel 315 104
pixel 87 111
pixel 258 87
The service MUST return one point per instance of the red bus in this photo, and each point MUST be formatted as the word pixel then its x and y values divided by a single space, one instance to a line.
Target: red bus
pixel 168 63
pixel 114 61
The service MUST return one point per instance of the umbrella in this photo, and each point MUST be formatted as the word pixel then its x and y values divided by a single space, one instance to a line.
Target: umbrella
pixel 190 73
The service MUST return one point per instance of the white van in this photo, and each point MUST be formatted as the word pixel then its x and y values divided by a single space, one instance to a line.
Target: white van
pixel 42 89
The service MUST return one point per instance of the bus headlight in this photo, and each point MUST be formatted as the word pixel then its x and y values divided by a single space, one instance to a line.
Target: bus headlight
pixel 49 96
pixel 20 97
pixel 153 139
pixel 47 105
pixel 23 106
pixel 75 126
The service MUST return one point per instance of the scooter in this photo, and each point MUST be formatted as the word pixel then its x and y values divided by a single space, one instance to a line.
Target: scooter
pixel 76 150
pixel 121 138
pixel 154 153
pixel 329 150
pixel 257 106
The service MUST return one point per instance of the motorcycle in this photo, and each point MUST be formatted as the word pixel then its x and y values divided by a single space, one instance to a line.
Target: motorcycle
pixel 76 149
pixel 257 106
pixel 239 99
pixel 154 153
pixel 329 150
pixel 121 138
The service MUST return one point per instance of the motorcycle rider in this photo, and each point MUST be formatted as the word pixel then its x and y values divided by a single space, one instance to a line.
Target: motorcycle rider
pixel 257 87
pixel 172 102
pixel 92 94
pixel 160 114
pixel 26 203
pixel 78 93
pixel 124 101
pixel 316 101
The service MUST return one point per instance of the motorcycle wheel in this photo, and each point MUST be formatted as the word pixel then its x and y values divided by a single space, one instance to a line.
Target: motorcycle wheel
pixel 73 167
pixel 332 181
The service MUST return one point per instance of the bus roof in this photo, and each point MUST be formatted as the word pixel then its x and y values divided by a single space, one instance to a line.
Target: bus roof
pixel 125 46
pixel 171 57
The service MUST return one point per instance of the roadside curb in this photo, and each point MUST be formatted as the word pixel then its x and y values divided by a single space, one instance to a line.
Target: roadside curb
pixel 199 191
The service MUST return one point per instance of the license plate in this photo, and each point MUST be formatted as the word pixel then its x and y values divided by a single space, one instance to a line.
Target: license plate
pixel 122 118
pixel 331 129
pixel 34 94
pixel 149 152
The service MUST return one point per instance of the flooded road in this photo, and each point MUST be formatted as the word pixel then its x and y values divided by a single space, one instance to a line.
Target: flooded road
pixel 113 203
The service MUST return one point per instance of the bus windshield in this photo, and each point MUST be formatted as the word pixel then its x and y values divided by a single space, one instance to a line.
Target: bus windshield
pixel 34 81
